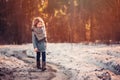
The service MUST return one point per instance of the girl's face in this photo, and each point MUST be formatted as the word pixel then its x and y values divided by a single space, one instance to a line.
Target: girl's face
pixel 40 24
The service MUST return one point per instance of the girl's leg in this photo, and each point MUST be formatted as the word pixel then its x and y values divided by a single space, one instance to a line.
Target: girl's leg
pixel 44 56
pixel 43 61
pixel 38 60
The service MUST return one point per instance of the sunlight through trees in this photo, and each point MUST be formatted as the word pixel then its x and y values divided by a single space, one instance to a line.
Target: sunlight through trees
pixel 66 20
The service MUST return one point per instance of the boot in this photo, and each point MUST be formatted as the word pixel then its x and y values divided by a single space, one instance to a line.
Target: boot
pixel 38 65
pixel 43 66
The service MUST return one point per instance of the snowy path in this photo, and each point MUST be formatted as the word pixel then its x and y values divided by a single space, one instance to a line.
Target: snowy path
pixel 81 62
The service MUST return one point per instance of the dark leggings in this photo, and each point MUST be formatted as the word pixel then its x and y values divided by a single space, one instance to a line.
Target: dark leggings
pixel 43 56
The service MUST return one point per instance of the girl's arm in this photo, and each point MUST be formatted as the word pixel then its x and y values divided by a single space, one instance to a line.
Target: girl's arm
pixel 45 33
pixel 34 41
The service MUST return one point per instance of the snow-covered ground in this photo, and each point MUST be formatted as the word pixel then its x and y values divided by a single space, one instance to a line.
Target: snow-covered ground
pixel 80 61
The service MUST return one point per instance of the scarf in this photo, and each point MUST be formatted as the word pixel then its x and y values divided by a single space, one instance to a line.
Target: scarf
pixel 40 33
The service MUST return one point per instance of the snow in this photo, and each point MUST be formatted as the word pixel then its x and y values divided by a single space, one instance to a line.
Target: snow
pixel 85 62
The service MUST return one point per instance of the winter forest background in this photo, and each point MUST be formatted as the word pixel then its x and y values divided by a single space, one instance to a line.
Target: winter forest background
pixel 66 20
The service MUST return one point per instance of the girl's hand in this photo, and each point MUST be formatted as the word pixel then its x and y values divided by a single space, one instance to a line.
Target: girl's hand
pixel 36 49
pixel 45 39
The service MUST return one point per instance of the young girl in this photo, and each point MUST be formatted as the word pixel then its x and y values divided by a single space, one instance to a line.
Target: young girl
pixel 39 40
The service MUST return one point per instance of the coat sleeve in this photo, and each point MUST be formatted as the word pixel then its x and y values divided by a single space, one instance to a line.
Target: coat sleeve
pixel 45 33
pixel 44 30
pixel 34 40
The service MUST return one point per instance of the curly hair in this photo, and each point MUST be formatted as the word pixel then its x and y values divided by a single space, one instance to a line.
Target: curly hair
pixel 36 20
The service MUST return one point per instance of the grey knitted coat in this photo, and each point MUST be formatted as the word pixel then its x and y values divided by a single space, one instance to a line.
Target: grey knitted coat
pixel 38 39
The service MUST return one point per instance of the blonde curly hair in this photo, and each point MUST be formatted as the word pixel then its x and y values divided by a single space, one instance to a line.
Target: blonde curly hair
pixel 36 20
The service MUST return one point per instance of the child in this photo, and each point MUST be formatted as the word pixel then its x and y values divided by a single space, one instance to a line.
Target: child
pixel 39 40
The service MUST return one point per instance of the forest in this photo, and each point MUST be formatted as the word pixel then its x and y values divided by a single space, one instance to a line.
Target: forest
pixel 70 21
